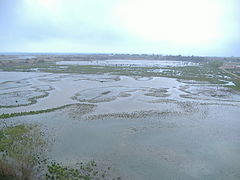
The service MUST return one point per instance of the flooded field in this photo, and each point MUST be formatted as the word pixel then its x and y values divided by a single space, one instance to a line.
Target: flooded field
pixel 134 127
pixel 136 63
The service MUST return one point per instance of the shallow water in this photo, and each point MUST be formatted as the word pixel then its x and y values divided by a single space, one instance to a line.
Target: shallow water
pixel 191 133
pixel 200 145
pixel 136 63
pixel 64 87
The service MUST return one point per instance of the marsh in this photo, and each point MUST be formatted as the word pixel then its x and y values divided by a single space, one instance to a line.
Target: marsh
pixel 141 126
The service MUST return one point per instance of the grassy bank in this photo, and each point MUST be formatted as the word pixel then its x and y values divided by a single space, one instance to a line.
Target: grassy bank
pixel 20 149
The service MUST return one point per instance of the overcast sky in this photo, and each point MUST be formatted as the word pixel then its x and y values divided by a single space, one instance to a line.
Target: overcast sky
pixel 187 27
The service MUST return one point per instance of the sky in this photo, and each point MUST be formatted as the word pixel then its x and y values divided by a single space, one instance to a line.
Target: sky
pixel 186 27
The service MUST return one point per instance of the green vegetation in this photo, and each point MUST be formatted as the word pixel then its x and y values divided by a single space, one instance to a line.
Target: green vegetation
pixel 81 171
pixel 157 93
pixel 84 171
pixel 24 66
pixel 132 115
pixel 22 158
pixel 4 116
pixel 237 84
pixel 21 142
pixel 216 64
pixel 32 100
pixel 20 147
pixel 84 108
pixel 58 172
pixel 206 72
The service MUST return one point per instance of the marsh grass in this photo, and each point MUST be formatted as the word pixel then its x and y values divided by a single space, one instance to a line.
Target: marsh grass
pixel 4 116
pixel 208 71
pixel 59 172
pixel 32 100
pixel 131 115
pixel 20 147
pixel 21 143
pixel 22 158
pixel 81 171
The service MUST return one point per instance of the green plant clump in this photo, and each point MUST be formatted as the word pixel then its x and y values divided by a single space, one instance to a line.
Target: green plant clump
pixel 58 172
